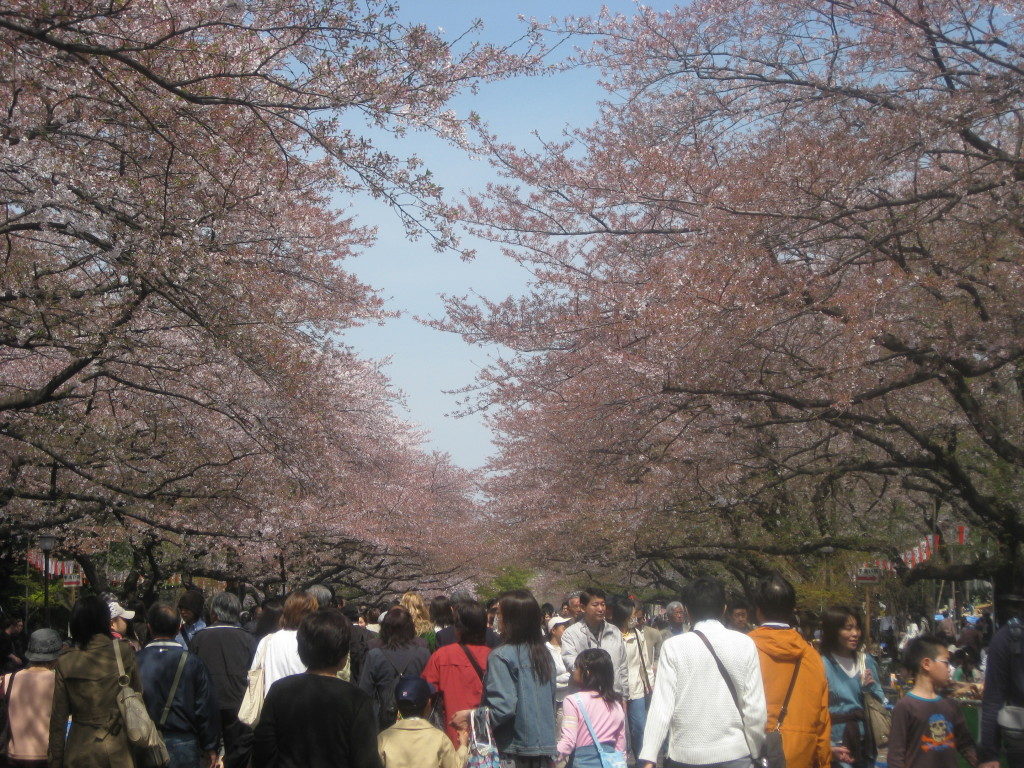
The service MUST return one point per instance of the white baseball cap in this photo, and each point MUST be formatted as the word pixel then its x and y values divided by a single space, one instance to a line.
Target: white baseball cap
pixel 554 621
pixel 116 611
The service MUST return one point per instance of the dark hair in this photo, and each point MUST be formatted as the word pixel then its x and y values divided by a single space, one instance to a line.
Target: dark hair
pixel 738 604
pixel 163 619
pixel 323 639
pixel 775 598
pixel 597 673
pixel 270 620
pixel 967 658
pixel 297 606
pixel 441 611
pixel 192 600
pixel 90 616
pixel 396 628
pixel 621 610
pixel 920 648
pixel 590 593
pixel 704 598
pixel 471 622
pixel 521 624
pixel 834 619
pixel 547 609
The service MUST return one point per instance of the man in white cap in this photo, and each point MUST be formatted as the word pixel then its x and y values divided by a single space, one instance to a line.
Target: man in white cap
pixel 119 618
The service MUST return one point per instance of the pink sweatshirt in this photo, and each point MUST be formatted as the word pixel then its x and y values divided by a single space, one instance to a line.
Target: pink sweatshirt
pixel 609 721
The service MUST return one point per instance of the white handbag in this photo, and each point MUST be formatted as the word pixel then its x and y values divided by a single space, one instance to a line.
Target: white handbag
pixel 255 692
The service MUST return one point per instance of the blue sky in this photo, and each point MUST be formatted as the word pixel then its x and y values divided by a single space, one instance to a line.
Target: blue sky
pixel 424 363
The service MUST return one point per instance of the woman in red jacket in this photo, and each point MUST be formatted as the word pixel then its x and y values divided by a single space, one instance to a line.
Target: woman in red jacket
pixel 457 670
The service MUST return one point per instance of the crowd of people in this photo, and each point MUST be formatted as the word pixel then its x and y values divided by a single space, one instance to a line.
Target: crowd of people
pixel 313 681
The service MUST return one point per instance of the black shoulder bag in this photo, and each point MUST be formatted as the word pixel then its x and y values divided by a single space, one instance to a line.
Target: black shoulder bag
pixel 474 662
pixel 761 759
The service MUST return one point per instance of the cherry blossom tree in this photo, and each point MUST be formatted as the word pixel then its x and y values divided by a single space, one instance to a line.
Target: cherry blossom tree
pixel 172 299
pixel 777 299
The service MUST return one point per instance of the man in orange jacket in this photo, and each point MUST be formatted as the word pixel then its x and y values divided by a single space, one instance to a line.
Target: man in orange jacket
pixel 783 652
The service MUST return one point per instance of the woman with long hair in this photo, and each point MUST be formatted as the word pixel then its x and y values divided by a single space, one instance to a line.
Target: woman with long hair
pixel 519 687
pixel 278 652
pixel 85 687
pixel 852 675
pixel 421 620
pixel 398 655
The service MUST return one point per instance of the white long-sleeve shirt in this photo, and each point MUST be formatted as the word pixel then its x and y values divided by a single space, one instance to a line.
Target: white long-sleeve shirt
pixel 692 706
pixel 562 674
pixel 280 653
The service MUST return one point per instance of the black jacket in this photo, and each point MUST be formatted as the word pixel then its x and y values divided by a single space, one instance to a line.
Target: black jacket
pixel 362 641
pixel 1004 684
pixel 227 652
pixel 194 709
pixel 381 670
pixel 309 721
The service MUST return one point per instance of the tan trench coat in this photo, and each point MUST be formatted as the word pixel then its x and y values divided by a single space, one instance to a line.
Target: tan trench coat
pixel 86 688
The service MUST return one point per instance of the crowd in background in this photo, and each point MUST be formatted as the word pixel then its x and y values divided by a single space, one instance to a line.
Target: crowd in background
pixel 312 680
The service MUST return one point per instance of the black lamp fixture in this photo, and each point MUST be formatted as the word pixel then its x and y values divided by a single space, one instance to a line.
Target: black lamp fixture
pixel 47 542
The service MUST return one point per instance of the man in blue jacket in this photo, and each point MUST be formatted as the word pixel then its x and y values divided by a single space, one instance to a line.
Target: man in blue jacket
pixel 178 692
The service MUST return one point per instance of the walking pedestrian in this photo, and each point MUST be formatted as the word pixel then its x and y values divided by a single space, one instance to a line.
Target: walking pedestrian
pixel 794 677
pixel 227 650
pixel 927 728
pixel 593 631
pixel 178 693
pixel 593 720
pixel 414 604
pixel 639 667
pixel 1004 686
pixel 85 688
pixel 708 694
pixel 556 627
pixel 519 687
pixel 675 618
pixel 314 719
pixel 190 606
pixel 30 700
pixel 278 652
pixel 398 655
pixel 457 670
pixel 413 742
pixel 852 675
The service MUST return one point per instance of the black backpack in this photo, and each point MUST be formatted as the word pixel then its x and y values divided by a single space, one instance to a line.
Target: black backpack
pixel 387 709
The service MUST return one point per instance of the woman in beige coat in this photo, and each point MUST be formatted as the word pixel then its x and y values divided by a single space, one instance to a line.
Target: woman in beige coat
pixel 86 688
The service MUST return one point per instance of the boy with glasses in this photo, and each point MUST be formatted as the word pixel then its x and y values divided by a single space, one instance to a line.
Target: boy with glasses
pixel 928 729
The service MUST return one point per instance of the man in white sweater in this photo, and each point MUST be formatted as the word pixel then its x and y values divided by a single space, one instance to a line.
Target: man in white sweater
pixel 692 705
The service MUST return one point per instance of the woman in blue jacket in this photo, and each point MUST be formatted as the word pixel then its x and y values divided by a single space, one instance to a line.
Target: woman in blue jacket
pixel 519 687
pixel 852 675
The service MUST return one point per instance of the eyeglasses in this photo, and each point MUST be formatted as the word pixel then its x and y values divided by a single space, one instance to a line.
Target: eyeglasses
pixel 947 662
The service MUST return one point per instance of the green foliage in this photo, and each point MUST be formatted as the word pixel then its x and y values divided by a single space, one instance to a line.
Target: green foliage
pixel 509 577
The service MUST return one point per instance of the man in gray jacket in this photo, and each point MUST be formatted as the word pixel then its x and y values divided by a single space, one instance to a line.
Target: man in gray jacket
pixel 592 631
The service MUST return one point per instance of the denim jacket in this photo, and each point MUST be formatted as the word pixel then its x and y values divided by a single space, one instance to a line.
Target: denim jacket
pixel 522 707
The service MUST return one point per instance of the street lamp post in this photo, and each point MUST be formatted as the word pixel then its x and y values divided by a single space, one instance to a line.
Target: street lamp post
pixel 47 543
